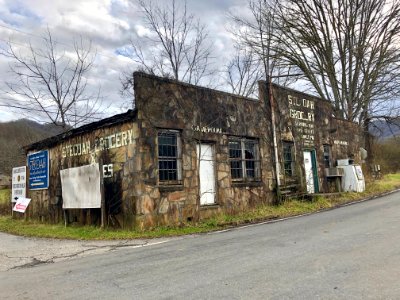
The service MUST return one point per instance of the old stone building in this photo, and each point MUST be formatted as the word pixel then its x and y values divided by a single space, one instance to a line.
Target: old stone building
pixel 310 139
pixel 187 152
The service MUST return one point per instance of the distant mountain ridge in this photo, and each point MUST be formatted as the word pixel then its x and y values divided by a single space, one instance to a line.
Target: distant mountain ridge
pixel 16 134
pixel 382 130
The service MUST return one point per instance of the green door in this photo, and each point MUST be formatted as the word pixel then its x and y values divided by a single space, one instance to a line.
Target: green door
pixel 315 170
pixel 311 174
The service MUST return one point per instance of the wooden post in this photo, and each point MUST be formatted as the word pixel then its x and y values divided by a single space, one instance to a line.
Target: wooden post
pixel 103 200
pixel 65 218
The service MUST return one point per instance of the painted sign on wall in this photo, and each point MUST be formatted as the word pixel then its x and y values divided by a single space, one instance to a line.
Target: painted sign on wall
pixel 38 164
pixel 112 141
pixel 206 129
pixel 302 111
pixel 108 171
pixel 18 188
pixel 339 142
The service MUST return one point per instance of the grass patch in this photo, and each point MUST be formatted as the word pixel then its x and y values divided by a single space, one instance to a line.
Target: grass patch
pixel 261 213
pixel 373 187
pixel 37 229
pixel 5 199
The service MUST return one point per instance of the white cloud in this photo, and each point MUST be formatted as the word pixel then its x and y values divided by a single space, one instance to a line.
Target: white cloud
pixel 109 24
pixel 142 30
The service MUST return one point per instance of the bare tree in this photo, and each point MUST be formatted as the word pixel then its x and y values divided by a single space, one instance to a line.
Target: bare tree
pixel 258 34
pixel 52 83
pixel 243 72
pixel 348 51
pixel 176 44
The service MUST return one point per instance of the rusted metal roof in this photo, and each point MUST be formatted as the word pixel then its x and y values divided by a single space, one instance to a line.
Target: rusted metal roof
pixel 130 115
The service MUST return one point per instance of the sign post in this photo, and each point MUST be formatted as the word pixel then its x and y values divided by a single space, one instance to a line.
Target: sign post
pixel 38 164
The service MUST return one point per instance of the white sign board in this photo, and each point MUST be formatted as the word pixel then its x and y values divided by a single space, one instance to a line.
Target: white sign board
pixel 81 187
pixel 18 183
pixel 22 204
pixel 359 172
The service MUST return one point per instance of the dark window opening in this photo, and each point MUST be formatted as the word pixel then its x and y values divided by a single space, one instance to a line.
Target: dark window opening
pixel 327 156
pixel 288 158
pixel 169 159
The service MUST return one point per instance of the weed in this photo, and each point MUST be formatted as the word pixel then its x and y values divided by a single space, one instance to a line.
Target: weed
pixel 5 196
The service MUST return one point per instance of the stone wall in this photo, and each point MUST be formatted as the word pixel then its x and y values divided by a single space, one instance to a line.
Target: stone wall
pixel 200 115
pixel 127 144
pixel 113 146
pixel 309 123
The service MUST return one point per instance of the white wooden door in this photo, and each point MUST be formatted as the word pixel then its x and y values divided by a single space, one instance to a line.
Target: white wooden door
pixel 308 167
pixel 205 154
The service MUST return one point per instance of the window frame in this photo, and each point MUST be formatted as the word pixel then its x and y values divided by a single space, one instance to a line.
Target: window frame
pixel 243 162
pixel 328 158
pixel 292 162
pixel 166 158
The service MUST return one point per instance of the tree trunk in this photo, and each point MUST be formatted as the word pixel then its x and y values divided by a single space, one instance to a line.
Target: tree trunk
pixel 368 140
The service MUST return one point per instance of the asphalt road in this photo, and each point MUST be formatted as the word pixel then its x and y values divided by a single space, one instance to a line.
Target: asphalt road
pixel 17 252
pixel 347 253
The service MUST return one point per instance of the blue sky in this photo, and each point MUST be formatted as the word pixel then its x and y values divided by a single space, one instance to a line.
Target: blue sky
pixel 109 24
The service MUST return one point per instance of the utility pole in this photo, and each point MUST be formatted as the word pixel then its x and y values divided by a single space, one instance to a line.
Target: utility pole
pixel 275 143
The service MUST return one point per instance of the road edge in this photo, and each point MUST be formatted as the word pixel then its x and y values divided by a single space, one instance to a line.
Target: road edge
pixel 262 222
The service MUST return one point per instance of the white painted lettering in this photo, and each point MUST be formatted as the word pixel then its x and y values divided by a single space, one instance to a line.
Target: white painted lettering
pixel 111 145
pixel 130 135
pixel 124 139
pixel 118 140
pixel 112 141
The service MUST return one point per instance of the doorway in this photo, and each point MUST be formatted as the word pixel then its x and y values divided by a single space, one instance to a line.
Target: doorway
pixel 310 167
pixel 206 158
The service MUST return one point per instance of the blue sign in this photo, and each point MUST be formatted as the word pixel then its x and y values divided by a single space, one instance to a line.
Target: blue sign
pixel 38 164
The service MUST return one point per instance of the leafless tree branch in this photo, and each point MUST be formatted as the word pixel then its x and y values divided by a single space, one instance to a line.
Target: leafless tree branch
pixel 176 44
pixel 54 82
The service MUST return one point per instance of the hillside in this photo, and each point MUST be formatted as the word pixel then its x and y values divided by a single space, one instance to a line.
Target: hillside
pixel 16 134
pixel 382 130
